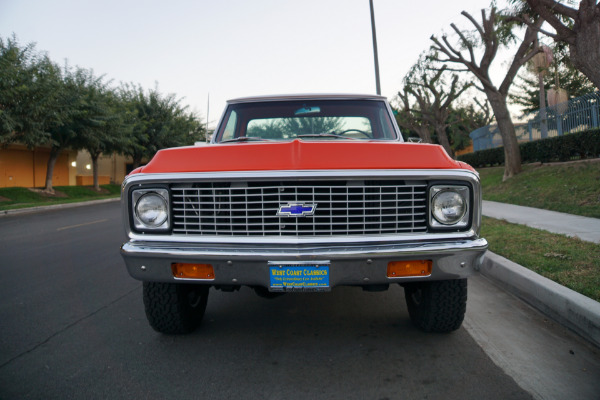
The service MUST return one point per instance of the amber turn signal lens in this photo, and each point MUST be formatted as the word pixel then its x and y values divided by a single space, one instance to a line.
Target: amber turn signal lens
pixel 193 271
pixel 398 269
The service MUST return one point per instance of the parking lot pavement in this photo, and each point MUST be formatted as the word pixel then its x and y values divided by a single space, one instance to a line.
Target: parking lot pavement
pixel 543 357
pixel 566 306
pixel 59 340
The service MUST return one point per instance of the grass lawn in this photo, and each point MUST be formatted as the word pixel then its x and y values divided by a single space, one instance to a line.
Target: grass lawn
pixel 572 188
pixel 17 197
pixel 568 261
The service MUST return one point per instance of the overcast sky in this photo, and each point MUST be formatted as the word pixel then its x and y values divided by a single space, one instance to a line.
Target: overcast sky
pixel 235 48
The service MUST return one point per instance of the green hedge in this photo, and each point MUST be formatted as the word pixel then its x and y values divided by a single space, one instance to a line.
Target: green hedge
pixel 560 148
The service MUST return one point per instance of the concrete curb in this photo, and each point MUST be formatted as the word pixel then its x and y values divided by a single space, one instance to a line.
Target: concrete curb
pixel 571 309
pixel 20 211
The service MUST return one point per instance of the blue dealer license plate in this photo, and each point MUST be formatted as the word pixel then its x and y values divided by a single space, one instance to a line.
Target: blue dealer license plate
pixel 300 277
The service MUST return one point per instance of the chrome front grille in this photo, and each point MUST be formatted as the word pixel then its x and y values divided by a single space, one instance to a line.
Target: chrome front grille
pixel 249 208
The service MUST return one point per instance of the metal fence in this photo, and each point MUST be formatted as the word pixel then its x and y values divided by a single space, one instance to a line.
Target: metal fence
pixel 576 115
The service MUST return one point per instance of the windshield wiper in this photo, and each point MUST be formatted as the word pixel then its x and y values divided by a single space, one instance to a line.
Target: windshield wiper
pixel 326 134
pixel 247 139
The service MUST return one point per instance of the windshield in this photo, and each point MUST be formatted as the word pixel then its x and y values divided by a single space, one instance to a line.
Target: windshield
pixel 307 120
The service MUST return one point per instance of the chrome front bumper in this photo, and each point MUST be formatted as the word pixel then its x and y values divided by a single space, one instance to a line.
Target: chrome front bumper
pixel 355 264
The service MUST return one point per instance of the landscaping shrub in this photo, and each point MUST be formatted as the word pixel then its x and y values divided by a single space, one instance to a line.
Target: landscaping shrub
pixel 560 148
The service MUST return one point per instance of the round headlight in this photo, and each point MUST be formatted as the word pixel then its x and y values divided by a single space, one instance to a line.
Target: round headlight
pixel 449 207
pixel 151 210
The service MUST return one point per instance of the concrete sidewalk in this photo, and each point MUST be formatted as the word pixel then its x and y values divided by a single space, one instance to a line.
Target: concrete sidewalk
pixel 584 228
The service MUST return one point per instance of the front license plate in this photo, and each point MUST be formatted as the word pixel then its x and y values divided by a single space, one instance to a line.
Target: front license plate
pixel 290 277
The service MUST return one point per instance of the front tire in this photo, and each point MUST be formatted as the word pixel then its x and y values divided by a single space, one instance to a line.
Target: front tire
pixel 174 308
pixel 437 306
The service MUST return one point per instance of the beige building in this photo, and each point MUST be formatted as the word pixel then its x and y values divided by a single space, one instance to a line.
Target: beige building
pixel 20 166
pixel 111 169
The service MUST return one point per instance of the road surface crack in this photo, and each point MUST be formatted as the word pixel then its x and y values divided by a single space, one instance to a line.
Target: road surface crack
pixel 66 328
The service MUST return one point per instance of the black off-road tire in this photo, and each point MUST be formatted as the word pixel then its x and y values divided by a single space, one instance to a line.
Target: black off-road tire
pixel 437 306
pixel 174 308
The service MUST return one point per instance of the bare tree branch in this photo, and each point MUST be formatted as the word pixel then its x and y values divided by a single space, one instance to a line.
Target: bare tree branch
pixel 560 8
pixel 447 69
pixel 474 22
pixel 488 31
pixel 471 66
pixel 525 20
pixel 581 33
pixel 449 46
pixel 465 42
pixel 546 10
pixel 529 47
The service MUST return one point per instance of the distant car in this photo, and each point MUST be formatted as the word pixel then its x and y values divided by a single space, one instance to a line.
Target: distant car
pixel 302 194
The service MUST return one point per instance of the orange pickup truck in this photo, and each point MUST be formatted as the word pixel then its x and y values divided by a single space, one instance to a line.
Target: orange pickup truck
pixel 303 193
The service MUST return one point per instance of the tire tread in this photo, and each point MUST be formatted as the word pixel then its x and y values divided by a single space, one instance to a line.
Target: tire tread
pixel 442 307
pixel 167 307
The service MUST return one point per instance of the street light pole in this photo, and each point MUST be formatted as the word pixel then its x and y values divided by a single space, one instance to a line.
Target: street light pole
pixel 375 49
pixel 206 136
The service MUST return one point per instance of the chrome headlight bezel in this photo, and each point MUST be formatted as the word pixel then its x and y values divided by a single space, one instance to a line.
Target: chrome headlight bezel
pixel 463 219
pixel 138 196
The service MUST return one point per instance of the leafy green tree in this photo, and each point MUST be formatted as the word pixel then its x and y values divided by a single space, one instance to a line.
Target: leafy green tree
pixel 75 113
pixel 38 100
pixel 270 129
pixel 29 90
pixel 311 125
pixel 158 121
pixel 103 127
pixel 43 104
pixel 464 119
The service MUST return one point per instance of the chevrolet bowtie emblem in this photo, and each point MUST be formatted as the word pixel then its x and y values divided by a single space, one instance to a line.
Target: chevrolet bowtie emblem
pixel 297 210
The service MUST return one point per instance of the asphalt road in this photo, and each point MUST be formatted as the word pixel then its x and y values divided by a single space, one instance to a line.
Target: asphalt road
pixel 72 325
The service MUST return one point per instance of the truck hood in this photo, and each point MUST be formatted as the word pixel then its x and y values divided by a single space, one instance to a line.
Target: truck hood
pixel 301 155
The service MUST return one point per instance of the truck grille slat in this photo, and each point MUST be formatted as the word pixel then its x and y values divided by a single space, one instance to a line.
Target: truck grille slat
pixel 342 208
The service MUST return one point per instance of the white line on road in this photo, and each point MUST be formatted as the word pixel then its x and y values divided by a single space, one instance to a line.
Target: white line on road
pixel 77 226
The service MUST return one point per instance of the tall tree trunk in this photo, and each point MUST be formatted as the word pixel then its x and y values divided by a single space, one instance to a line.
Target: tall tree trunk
pixel 512 153
pixel 54 152
pixel 440 130
pixel 585 54
pixel 424 134
pixel 95 170
pixel 585 65
pixel 543 114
